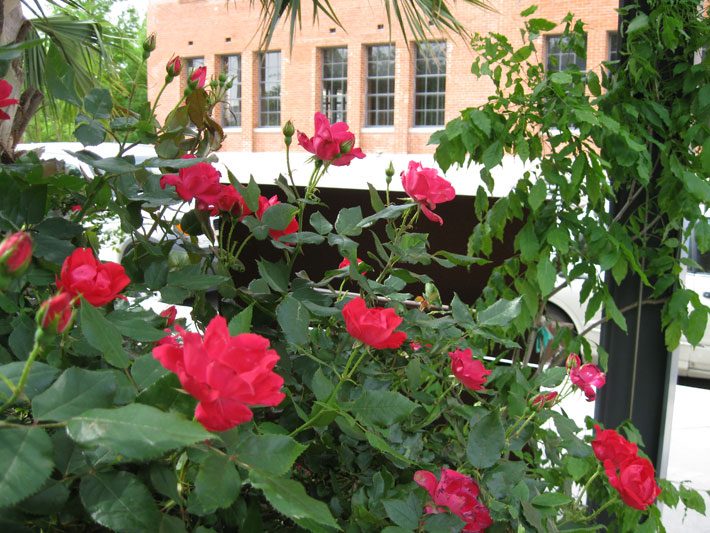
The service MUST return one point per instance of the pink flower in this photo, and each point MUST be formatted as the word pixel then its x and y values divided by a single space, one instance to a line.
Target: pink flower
pixel 424 185
pixel 333 144
pixel 174 67
pixel 456 493
pixel 374 326
pixel 199 76
pixel 5 92
pixel 264 205
pixel 15 253
pixel 545 399
pixel 468 370
pixel 586 377
pixel 170 314
pixel 199 181
pixel 226 374
pixel 99 283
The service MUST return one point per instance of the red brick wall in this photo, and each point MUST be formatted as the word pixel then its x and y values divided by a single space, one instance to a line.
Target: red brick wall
pixel 207 24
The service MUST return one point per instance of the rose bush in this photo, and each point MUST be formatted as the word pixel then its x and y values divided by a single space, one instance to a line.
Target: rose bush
pixel 291 399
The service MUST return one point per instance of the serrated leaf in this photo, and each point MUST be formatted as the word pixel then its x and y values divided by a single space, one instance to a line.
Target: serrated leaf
pixel 405 512
pixel 375 199
pixel 486 440
pixel 275 274
pixel 320 224
pixel 216 486
pixel 289 498
pixel 692 499
pixel 25 463
pixel 135 431
pixel 551 499
pixel 391 211
pixel 77 390
pixel 538 193
pixel 103 335
pixel 697 323
pixel 119 501
pixel 501 313
pixel 279 216
pixel 546 275
pixel 293 317
pixel 381 407
pixel 348 221
pixel 241 322
pixel 272 454
pixel 40 377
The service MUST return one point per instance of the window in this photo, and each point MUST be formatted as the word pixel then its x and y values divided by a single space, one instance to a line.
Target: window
pixel 270 89
pixel 232 106
pixel 380 86
pixel 335 84
pixel 560 54
pixel 613 46
pixel 430 84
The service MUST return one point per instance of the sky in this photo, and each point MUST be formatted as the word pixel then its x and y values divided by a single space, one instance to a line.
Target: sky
pixel 141 6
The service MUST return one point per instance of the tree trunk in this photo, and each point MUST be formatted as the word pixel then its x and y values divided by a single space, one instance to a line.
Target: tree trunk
pixel 13 29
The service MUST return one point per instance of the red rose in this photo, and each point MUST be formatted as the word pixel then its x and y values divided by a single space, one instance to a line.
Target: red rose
pixel 608 445
pixel 76 208
pixel 230 201
pixel 199 181
pixel 99 283
pixel 586 377
pixel 226 374
pixel 56 314
pixel 331 143
pixel 15 253
pixel 174 67
pixel 5 91
pixel 424 185
pixel 170 314
pixel 456 493
pixel 635 480
pixel 545 399
pixel 468 370
pixel 199 76
pixel 375 326
pixel 264 204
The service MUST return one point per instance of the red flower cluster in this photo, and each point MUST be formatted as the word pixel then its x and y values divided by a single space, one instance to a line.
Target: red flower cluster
pixel 468 370
pixel 5 92
pixel 456 493
pixel 632 476
pixel 587 377
pixel 15 254
pixel 373 326
pixel 226 374
pixel 424 185
pixel 264 205
pixel 99 283
pixel 331 143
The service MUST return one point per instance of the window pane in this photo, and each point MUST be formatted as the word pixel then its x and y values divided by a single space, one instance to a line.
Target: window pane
pixel 231 108
pixel 270 89
pixel 334 80
pixel 430 84
pixel 380 85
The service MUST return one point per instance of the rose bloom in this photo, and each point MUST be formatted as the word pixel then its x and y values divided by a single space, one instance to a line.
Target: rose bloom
pixel 635 481
pixel 199 76
pixel 373 326
pixel 545 399
pixel 468 370
pixel 587 377
pixel 227 375
pixel 230 201
pixel 331 143
pixel 170 314
pixel 99 283
pixel 345 263
pixel 5 92
pixel 608 445
pixel 15 253
pixel 264 204
pixel 424 185
pixel 199 181
pixel 56 314
pixel 456 493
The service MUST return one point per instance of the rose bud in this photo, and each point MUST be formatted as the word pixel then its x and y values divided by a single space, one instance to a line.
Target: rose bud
pixel 15 254
pixel 56 315
pixel 173 68
pixel 198 78
pixel 170 314
pixel 148 45
pixel 288 129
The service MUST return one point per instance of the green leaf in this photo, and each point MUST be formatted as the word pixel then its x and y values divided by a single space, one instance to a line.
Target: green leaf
pixel 293 318
pixel 460 312
pixel 391 211
pixel 640 22
pixel 40 377
pixel 216 486
pixel 375 199
pixel 539 25
pixel 538 193
pixel 443 522
pixel 381 407
pixel 278 216
pixel 551 499
pixel 241 322
pixel 593 83
pixel 612 311
pixel 135 431
pixel 405 512
pixel 561 78
pixel 697 186
pixel 302 237
pixel 486 440
pixel 77 390
pixel 98 103
pixel 102 335
pixel 546 275
pixel 271 454
pixel 192 278
pixel 275 274
pixel 348 220
pixel 146 370
pixel 692 499
pixel 320 224
pixel 697 322
pixel 119 501
pixel 90 134
pixel 529 11
pixel 493 155
pixel 251 194
pixel 501 313
pixel 289 498
pixel 135 326
pixel 25 463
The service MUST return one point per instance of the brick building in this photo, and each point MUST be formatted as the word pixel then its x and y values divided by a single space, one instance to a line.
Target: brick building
pixel 392 93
